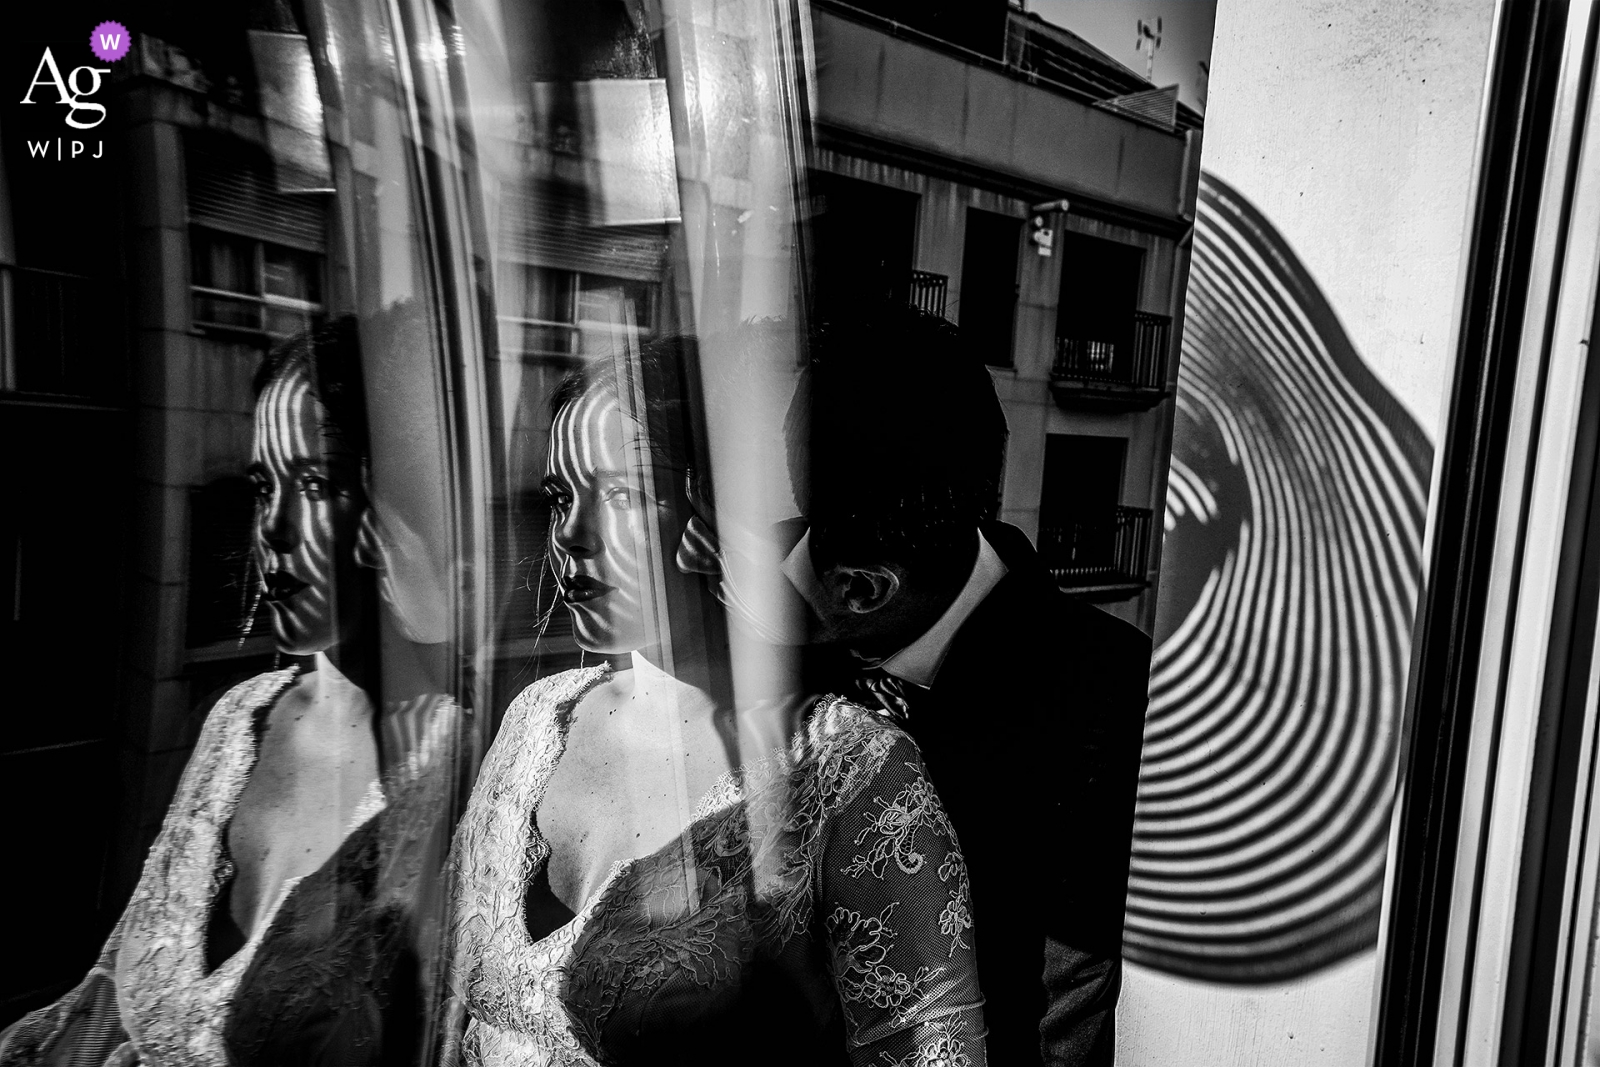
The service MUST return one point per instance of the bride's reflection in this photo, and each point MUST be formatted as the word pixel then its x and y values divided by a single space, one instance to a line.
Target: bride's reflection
pixel 274 918
pixel 603 914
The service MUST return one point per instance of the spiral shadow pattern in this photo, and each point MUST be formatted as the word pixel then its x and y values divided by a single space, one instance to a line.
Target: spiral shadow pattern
pixel 1289 581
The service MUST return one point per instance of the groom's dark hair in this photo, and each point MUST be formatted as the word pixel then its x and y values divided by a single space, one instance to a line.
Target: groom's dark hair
pixel 896 439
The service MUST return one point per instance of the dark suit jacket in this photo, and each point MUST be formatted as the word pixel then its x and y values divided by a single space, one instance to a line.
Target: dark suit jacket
pixel 1031 733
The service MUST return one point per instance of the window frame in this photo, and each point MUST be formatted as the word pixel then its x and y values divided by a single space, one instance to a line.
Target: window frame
pixel 263 301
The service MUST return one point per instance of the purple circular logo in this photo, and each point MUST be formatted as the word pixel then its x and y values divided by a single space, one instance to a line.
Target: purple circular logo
pixel 109 41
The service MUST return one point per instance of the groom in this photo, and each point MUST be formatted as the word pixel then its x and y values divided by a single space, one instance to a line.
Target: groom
pixel 1028 706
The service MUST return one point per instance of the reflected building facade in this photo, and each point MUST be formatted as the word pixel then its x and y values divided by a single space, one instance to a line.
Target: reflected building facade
pixel 275 167
pixel 931 148
pixel 496 211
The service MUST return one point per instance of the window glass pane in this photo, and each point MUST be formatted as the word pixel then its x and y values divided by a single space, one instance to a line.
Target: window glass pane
pixel 293 274
pixel 286 322
pixel 644 531
pixel 374 243
pixel 988 283
pixel 222 261
pixel 212 310
pixel 260 871
pixel 536 311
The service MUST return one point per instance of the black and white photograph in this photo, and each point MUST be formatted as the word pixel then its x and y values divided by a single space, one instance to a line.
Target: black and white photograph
pixel 592 533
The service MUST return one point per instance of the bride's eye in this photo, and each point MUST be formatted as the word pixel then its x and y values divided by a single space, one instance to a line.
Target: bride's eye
pixel 619 496
pixel 553 494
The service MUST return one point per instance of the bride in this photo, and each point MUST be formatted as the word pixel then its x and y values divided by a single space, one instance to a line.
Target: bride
pixel 629 890
pixel 275 920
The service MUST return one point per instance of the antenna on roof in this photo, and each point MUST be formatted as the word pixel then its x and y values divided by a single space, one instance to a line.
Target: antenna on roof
pixel 1148 41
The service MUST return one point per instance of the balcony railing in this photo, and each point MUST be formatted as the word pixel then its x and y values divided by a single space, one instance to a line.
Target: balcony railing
pixel 1105 554
pixel 928 291
pixel 60 335
pixel 1129 372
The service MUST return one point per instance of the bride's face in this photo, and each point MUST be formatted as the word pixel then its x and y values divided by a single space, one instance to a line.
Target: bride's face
pixel 599 527
pixel 309 502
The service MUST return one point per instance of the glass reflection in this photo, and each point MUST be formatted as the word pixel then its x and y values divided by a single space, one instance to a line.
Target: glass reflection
pixel 674 894
pixel 311 504
pixel 274 921
pixel 487 196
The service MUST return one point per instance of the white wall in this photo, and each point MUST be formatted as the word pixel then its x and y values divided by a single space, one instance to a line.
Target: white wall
pixel 1351 124
pixel 1321 1021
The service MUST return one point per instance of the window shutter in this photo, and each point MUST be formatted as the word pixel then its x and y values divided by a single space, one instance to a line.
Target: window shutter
pixel 535 231
pixel 233 191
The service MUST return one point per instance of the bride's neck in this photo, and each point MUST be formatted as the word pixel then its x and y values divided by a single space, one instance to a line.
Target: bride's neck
pixel 651 683
pixel 326 685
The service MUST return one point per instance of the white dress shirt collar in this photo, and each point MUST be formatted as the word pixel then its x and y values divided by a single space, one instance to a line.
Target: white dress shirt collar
pixel 918 662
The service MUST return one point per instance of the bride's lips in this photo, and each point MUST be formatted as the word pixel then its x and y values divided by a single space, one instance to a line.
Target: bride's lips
pixel 281 586
pixel 581 587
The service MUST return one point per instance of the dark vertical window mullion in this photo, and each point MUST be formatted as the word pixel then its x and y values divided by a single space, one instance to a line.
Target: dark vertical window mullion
pixel 1541 917
pixel 1445 658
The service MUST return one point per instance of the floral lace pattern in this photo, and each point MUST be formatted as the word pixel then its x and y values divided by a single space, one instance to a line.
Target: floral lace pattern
pixel 861 946
pixel 324 949
pixel 760 868
pixel 895 826
pixel 944 1048
pixel 510 984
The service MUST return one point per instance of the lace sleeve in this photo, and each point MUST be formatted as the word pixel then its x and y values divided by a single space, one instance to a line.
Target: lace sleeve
pixel 895 905
pixel 82 1029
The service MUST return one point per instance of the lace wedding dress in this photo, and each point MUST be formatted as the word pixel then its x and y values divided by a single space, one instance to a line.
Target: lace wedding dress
pixel 817 910
pixel 318 983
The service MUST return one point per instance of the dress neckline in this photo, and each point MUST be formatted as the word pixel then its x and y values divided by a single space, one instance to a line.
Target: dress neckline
pixel 536 847
pixel 220 861
pixel 175 1007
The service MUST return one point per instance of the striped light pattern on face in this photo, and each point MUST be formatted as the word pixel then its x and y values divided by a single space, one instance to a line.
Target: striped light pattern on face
pixel 308 510
pixel 598 524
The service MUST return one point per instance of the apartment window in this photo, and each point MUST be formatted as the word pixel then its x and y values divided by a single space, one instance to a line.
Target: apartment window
pixel 864 237
pixel 257 252
pixel 989 284
pixel 1091 543
pixel 562 314
pixel 1099 301
pixel 240 283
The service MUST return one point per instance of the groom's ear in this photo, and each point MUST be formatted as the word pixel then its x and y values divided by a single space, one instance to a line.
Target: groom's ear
pixel 861 588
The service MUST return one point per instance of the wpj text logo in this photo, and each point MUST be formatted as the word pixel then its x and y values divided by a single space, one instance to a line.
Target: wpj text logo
pixel 109 42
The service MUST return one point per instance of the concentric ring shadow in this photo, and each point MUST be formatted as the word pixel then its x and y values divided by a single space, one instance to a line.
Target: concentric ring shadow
pixel 1290 569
